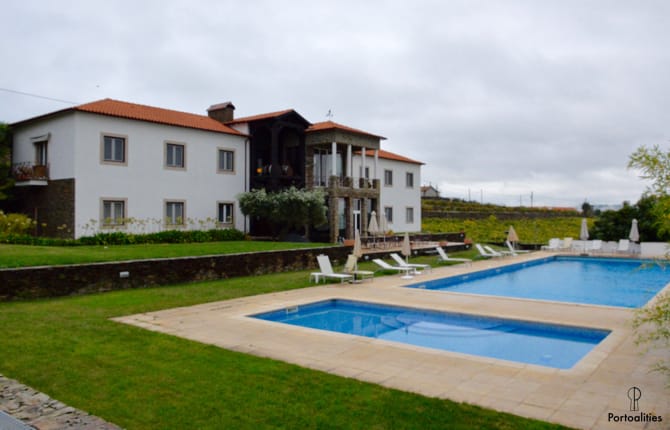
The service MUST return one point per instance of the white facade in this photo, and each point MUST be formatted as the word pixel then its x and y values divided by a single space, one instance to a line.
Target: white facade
pixel 400 198
pixel 143 181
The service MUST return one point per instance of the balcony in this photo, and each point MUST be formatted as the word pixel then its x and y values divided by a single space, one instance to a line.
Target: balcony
pixel 356 183
pixel 29 174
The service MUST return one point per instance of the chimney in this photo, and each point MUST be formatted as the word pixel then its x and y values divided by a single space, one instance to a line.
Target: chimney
pixel 223 112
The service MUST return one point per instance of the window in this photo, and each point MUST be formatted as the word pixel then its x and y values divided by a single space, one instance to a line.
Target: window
pixel 174 213
pixel 409 215
pixel 174 155
pixel 113 213
pixel 388 211
pixel 41 154
pixel 409 180
pixel 225 213
pixel 226 160
pixel 388 178
pixel 113 149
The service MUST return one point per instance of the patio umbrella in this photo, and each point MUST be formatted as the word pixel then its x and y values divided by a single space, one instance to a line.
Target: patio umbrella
pixel 373 227
pixel 406 248
pixel 634 234
pixel 512 237
pixel 584 230
pixel 383 224
pixel 358 248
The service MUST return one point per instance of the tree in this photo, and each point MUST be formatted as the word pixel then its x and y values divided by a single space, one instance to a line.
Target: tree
pixel 652 323
pixel 654 165
pixel 587 210
pixel 286 210
pixel 6 181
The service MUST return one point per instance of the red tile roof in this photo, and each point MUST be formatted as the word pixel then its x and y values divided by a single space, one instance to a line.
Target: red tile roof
pixel 153 114
pixel 139 112
pixel 260 116
pixel 391 156
pixel 330 125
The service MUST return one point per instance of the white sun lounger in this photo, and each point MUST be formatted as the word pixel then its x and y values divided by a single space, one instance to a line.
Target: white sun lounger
pixel 500 253
pixel 624 246
pixel 400 262
pixel 486 253
pixel 385 266
pixel 327 271
pixel 513 251
pixel 350 268
pixel 444 257
pixel 555 244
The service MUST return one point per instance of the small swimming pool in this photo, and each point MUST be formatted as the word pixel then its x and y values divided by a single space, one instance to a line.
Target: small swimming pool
pixel 586 280
pixel 548 345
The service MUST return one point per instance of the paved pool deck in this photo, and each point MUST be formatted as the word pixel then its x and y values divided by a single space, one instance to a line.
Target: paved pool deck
pixel 582 397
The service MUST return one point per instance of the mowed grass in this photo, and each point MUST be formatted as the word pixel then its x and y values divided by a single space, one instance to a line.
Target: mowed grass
pixel 28 255
pixel 139 379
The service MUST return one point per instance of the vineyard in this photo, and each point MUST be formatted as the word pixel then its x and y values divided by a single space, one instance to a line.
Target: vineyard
pixel 487 223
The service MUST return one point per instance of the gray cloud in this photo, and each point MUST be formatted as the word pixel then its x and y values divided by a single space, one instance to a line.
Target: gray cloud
pixel 500 98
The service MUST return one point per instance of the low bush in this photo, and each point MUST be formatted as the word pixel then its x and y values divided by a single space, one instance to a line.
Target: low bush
pixel 121 238
pixel 15 224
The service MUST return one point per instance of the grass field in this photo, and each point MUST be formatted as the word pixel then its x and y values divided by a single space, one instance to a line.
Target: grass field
pixel 491 229
pixel 139 379
pixel 28 255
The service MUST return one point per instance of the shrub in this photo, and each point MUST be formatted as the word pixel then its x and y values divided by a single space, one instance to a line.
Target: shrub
pixel 15 224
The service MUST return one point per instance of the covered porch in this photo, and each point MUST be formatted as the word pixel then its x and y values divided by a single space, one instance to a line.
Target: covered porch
pixel 351 193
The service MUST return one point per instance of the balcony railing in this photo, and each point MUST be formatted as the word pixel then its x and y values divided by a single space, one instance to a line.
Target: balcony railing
pixel 345 182
pixel 23 172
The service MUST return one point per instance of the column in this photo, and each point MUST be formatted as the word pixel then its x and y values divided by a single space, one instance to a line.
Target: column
pixel 362 162
pixel 349 169
pixel 376 164
pixel 333 160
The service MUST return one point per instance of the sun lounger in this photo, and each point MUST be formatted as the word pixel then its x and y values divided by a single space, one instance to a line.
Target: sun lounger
pixel 385 266
pixel 555 244
pixel 487 253
pixel 595 246
pixel 351 269
pixel 567 244
pixel 624 246
pixel 400 262
pixel 512 250
pixel 327 271
pixel 444 257
pixel 494 252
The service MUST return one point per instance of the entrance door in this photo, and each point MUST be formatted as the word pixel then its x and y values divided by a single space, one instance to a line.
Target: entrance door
pixel 357 215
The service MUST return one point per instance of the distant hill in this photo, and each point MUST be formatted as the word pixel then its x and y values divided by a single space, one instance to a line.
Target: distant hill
pixel 439 207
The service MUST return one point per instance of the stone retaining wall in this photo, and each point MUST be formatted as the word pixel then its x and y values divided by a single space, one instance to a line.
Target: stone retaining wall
pixel 54 281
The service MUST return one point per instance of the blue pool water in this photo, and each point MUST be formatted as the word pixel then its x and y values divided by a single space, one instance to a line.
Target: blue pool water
pixel 599 281
pixel 525 342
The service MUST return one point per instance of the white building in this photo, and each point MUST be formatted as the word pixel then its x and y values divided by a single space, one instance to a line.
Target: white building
pixel 111 165
pixel 116 166
pixel 399 181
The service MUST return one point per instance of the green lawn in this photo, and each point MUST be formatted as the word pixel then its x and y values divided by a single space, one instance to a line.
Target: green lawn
pixel 28 255
pixel 139 379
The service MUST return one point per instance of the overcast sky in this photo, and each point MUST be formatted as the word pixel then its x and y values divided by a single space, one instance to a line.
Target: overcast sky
pixel 500 99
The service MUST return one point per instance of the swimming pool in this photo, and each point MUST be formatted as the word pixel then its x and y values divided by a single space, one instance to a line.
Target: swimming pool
pixel 586 280
pixel 548 345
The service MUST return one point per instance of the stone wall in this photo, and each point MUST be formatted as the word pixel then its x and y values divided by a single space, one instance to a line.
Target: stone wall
pixel 54 281
pixel 52 206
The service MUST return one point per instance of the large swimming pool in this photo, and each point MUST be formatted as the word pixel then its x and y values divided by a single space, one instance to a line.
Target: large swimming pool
pixel 600 281
pixel 548 345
